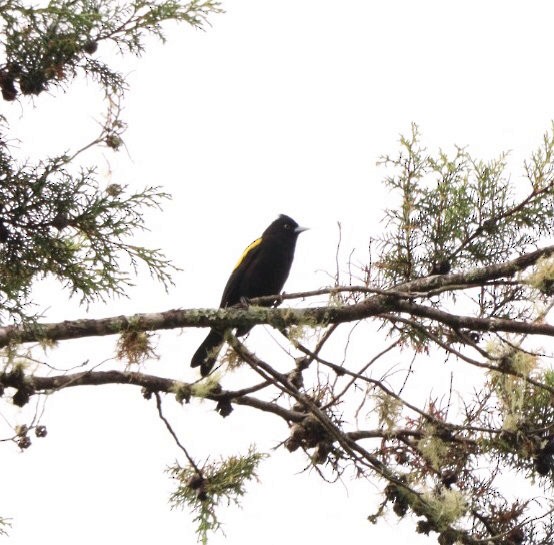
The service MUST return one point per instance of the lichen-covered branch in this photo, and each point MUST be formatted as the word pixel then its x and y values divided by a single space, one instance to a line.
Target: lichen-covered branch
pixel 399 300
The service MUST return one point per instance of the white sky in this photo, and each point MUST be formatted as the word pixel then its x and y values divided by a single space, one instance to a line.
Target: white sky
pixel 280 107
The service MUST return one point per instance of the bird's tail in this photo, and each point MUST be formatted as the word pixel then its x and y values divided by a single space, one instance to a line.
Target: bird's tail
pixel 206 355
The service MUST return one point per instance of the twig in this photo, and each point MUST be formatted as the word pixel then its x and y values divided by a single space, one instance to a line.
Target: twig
pixel 173 434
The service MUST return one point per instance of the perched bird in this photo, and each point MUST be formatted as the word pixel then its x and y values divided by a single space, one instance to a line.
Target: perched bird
pixel 261 270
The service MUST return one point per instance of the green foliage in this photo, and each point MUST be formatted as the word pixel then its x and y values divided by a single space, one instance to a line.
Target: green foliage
pixel 46 47
pixel 55 219
pixel 55 223
pixel 454 213
pixel 461 211
pixel 202 490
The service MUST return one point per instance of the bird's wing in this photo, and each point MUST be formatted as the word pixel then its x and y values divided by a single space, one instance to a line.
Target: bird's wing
pixel 230 295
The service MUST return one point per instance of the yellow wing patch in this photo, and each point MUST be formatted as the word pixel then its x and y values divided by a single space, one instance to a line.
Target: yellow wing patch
pixel 250 247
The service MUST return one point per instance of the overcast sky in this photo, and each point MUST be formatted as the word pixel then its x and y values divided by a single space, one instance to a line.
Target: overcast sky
pixel 279 107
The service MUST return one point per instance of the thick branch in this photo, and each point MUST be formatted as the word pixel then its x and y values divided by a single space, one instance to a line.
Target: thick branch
pixel 152 383
pixel 280 318
pixel 473 323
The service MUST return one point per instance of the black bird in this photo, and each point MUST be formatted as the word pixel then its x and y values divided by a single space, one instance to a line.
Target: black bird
pixel 262 270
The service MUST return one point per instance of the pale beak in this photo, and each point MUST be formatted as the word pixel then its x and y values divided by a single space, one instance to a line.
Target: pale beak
pixel 299 229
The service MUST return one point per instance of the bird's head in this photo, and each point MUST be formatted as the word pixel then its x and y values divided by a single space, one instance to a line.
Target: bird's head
pixel 284 226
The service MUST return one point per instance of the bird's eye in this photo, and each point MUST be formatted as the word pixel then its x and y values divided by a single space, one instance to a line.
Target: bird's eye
pixel 286 226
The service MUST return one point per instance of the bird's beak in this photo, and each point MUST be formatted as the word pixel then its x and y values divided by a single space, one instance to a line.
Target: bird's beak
pixel 299 229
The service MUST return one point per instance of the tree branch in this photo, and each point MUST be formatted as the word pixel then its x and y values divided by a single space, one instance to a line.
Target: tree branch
pixel 280 318
pixel 151 383
pixel 473 323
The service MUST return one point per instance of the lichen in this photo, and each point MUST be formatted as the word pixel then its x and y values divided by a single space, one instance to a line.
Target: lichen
pixel 512 391
pixel 434 450
pixel 524 362
pixel 297 333
pixel 445 507
pixel 135 347
pixel 182 391
pixel 388 410
pixel 542 278
pixel 207 386
pixel 231 359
